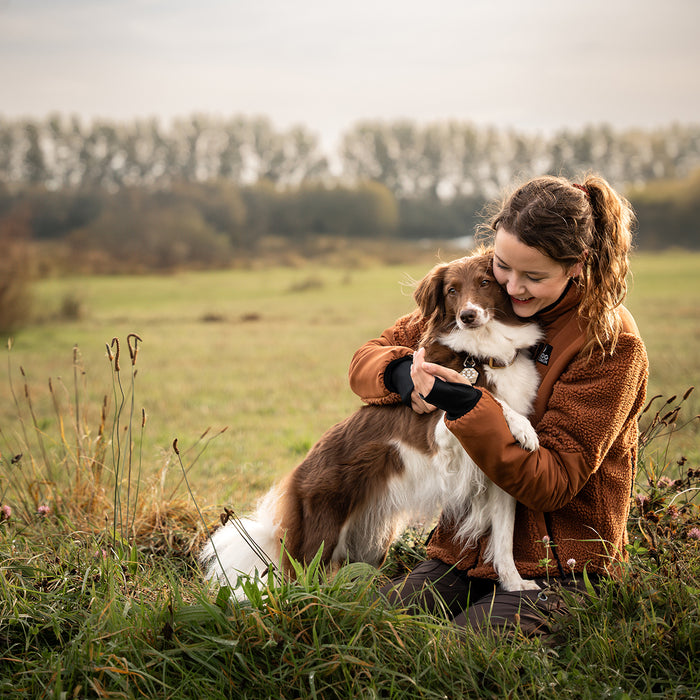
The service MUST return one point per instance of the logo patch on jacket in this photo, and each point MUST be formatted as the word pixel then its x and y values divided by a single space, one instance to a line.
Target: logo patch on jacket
pixel 543 353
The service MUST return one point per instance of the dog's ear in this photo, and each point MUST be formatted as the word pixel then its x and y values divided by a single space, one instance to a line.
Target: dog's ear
pixel 485 262
pixel 429 294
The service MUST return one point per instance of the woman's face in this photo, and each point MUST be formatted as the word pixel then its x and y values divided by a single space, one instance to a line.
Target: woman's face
pixel 532 279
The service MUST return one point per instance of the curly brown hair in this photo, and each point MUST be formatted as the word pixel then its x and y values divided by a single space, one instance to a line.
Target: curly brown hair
pixel 572 223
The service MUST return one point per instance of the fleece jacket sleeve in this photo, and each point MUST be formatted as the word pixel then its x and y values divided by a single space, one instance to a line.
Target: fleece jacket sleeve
pixel 371 361
pixel 590 406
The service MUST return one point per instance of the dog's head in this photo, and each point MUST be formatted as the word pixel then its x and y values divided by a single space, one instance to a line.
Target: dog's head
pixel 462 293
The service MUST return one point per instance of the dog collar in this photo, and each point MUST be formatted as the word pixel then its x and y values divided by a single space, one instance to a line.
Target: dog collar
pixel 493 363
pixel 471 373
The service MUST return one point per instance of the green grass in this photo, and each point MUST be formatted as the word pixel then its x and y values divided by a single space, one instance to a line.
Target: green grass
pixel 664 297
pixel 90 610
pixel 77 623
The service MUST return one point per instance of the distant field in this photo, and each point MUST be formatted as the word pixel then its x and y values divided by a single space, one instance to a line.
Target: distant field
pixel 265 355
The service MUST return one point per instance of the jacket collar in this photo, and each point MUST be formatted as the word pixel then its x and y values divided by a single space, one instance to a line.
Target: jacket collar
pixel 569 300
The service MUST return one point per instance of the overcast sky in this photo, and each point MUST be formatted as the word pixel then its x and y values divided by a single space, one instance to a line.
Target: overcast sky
pixel 529 64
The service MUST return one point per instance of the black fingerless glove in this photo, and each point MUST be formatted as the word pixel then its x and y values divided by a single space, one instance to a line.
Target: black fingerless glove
pixel 397 378
pixel 455 399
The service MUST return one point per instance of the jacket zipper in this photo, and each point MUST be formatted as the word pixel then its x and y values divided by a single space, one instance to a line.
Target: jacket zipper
pixel 548 525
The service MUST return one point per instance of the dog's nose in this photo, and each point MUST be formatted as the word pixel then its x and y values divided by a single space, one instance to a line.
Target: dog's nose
pixel 468 316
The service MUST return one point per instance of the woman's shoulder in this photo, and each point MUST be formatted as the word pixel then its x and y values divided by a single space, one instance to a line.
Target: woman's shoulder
pixel 625 358
pixel 627 322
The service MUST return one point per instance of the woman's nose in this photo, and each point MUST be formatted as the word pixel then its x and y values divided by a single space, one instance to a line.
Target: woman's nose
pixel 514 286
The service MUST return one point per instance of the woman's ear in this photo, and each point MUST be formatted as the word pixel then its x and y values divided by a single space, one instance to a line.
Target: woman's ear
pixel 577 268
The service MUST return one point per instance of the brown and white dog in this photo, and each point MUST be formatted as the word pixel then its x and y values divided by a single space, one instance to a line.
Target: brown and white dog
pixel 384 466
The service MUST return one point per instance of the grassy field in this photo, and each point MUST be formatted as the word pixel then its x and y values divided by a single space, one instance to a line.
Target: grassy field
pixel 264 355
pixel 99 598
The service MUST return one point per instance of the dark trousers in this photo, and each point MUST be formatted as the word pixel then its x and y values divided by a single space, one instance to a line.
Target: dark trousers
pixel 438 588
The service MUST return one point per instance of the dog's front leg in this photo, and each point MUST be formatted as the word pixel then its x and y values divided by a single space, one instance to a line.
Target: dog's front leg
pixel 500 548
pixel 521 427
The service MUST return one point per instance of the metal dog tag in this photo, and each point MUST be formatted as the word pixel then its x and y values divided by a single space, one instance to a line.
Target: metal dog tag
pixel 469 371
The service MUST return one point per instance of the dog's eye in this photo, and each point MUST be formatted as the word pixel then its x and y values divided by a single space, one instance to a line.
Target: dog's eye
pixel 485 283
pixel 452 290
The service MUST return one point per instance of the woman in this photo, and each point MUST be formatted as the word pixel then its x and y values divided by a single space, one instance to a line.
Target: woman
pixel 561 252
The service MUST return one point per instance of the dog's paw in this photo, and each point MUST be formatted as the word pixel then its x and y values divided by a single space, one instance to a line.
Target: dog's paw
pixel 527 437
pixel 521 428
pixel 519 584
pixel 529 586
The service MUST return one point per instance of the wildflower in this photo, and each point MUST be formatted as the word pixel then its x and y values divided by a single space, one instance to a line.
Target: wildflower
pixel 571 563
pixel 5 512
pixel 673 512
pixel 642 501
pixel 664 482
pixel 694 534
pixel 546 540
pixel 43 510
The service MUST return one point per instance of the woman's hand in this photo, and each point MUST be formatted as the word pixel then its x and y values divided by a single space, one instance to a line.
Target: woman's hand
pixel 423 375
pixel 419 404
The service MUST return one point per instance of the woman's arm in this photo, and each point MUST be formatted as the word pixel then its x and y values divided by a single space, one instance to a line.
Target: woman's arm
pixel 371 361
pixel 592 404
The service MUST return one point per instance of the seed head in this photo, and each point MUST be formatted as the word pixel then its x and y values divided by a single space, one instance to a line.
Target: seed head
pixel 115 345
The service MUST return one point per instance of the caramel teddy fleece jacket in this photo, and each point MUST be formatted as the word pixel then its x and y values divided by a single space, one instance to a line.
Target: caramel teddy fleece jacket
pixel 573 493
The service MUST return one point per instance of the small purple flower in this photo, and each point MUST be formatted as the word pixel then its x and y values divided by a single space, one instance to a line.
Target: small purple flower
pixel 5 512
pixel 546 540
pixel 43 510
pixel 571 563
pixel 665 482
pixel 694 534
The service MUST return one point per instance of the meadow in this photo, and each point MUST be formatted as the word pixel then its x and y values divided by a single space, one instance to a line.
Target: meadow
pixel 264 354
pixel 245 369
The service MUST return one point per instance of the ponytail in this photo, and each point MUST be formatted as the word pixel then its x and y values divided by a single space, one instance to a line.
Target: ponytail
pixel 607 264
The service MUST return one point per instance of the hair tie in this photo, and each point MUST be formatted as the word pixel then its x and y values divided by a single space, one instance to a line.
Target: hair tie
pixel 583 189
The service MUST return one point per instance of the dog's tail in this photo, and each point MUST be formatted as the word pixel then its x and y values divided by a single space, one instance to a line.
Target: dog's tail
pixel 245 546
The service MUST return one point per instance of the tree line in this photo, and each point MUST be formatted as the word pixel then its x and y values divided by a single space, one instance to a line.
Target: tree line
pixel 207 189
pixel 440 159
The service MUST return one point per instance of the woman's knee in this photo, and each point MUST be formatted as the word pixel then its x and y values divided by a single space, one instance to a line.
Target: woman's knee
pixel 530 612
pixel 433 586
